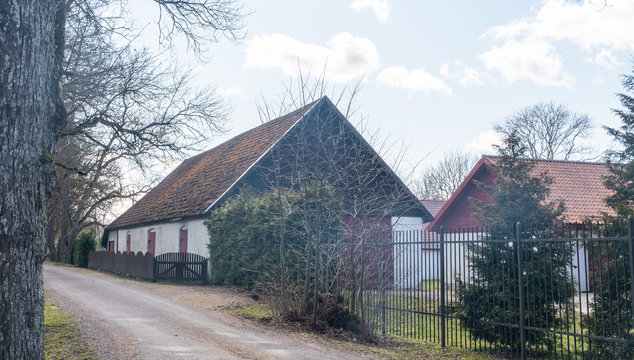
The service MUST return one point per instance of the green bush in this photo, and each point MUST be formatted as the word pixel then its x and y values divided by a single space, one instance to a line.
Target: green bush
pixel 84 244
pixel 611 314
pixel 244 236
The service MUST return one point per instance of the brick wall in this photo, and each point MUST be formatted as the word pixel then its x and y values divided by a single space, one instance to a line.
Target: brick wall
pixel 462 210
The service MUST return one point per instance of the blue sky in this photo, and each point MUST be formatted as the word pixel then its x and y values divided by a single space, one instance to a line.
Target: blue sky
pixel 437 74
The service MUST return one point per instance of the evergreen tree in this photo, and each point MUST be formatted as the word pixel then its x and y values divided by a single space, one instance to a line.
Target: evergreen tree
pixel 84 244
pixel 621 163
pixel 489 297
pixel 611 315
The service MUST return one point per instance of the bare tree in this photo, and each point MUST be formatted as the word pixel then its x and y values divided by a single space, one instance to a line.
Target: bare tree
pixel 32 41
pixel 125 110
pixel 550 131
pixel 441 180
pixel 322 160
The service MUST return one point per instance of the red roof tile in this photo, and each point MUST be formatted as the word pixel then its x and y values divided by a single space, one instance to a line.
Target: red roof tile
pixel 433 206
pixel 579 184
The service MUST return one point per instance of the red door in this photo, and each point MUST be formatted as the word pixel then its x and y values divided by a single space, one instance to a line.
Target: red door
pixel 111 246
pixel 183 241
pixel 151 242
pixel 128 243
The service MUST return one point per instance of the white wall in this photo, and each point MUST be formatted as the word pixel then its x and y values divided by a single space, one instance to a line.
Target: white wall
pixel 167 237
pixel 409 259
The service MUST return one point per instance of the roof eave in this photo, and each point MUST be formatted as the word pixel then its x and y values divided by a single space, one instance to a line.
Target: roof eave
pixel 484 161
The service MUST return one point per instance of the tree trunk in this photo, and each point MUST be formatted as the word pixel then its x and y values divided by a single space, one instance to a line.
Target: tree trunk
pixel 65 238
pixel 30 113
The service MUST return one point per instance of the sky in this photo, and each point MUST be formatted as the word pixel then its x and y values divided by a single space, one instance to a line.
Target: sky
pixel 437 75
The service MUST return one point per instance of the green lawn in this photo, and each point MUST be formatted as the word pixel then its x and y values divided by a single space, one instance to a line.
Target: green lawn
pixel 62 339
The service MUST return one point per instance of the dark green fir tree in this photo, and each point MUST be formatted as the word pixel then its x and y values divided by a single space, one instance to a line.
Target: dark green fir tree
pixel 489 296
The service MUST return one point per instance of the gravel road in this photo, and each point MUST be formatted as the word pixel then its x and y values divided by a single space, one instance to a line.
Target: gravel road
pixel 135 320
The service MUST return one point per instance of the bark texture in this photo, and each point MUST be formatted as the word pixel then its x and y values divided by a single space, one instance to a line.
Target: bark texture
pixel 29 113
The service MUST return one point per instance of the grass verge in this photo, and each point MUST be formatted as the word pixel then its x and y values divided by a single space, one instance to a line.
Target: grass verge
pixel 62 339
pixel 259 311
pixel 394 348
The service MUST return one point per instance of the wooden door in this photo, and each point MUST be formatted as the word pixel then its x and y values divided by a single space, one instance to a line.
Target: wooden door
pixel 151 242
pixel 183 241
pixel 128 243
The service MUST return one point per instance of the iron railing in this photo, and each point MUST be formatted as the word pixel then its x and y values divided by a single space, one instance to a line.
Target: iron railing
pixel 557 293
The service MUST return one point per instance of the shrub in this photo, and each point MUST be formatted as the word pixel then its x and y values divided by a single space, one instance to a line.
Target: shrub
pixel 84 244
pixel 246 235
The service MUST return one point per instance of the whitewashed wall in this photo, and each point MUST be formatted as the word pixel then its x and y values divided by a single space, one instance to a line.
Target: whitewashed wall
pixel 409 258
pixel 458 265
pixel 167 237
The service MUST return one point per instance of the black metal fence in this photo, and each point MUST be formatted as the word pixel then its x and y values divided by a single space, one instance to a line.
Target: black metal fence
pixel 559 293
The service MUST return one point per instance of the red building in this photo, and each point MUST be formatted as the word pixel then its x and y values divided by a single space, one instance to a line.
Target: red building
pixel 579 184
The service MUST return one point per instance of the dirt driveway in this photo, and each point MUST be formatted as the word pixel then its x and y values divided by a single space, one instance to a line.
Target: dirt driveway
pixel 137 320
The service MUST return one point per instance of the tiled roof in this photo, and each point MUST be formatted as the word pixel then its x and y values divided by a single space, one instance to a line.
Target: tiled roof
pixel 579 184
pixel 433 206
pixel 198 182
pixel 430 240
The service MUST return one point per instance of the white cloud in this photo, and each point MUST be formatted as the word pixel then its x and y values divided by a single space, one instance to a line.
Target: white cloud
pixel 606 60
pixel 413 80
pixel 444 70
pixel 471 77
pixel 380 7
pixel 591 25
pixel 534 60
pixel 466 76
pixel 346 56
pixel 483 143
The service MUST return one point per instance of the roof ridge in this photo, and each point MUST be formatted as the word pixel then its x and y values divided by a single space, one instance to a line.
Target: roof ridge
pixel 552 160
pixel 259 127
pixel 276 128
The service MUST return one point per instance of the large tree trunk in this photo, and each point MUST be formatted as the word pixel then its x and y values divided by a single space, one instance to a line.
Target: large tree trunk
pixel 30 111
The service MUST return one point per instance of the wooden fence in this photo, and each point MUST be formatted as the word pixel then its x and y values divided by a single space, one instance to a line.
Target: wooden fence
pixel 133 265
pixel 181 267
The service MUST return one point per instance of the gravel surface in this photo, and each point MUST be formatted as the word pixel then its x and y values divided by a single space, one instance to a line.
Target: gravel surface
pixel 128 319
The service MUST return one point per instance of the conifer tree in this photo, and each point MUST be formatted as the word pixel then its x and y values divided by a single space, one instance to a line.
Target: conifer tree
pixel 611 314
pixel 621 162
pixel 489 296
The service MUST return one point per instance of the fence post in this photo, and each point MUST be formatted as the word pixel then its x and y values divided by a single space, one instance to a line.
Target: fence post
pixel 383 283
pixel 154 269
pixel 630 233
pixel 442 286
pixel 520 271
